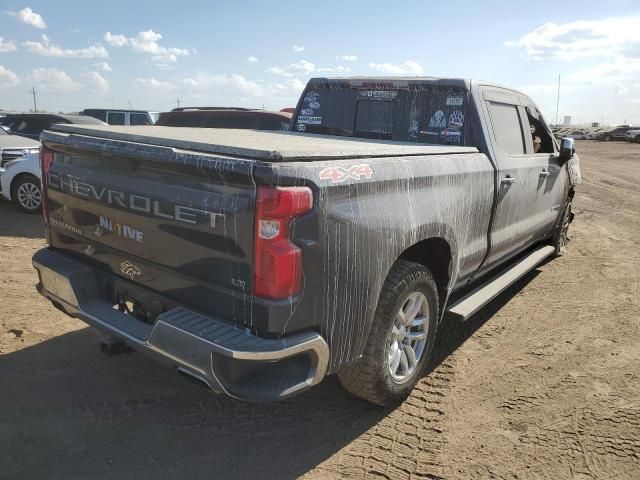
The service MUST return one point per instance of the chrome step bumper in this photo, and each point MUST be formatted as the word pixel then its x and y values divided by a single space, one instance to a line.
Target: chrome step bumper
pixel 229 360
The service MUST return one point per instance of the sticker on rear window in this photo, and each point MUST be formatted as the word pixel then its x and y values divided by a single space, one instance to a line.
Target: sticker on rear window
pixel 310 120
pixel 456 119
pixel 455 101
pixel 379 94
pixel 311 96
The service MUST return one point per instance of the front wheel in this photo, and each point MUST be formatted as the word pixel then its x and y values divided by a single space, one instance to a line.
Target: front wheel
pixel 26 194
pixel 401 337
pixel 561 235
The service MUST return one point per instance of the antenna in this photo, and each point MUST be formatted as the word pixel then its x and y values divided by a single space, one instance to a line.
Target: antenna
pixel 178 101
pixel 558 100
pixel 35 105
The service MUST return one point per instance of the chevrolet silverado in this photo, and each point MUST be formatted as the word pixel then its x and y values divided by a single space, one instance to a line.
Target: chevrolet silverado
pixel 261 262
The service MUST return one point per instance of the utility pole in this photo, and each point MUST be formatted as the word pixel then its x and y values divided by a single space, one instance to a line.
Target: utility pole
pixel 178 102
pixel 558 100
pixel 35 105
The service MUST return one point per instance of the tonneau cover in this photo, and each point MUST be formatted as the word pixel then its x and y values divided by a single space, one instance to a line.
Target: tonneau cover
pixel 259 145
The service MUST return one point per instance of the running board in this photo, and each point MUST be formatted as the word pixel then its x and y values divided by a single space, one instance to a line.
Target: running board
pixel 478 298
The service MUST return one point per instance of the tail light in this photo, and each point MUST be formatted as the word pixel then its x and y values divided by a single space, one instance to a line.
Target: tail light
pixel 46 159
pixel 277 266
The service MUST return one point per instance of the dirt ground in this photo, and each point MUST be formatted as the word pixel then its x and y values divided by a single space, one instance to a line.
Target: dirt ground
pixel 544 383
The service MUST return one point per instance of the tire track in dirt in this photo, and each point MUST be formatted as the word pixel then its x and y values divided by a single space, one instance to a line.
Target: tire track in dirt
pixel 407 443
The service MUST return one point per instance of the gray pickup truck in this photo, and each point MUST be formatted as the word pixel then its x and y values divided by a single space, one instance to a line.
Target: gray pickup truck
pixel 261 262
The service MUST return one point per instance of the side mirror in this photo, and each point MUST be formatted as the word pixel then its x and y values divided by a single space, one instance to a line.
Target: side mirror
pixel 567 149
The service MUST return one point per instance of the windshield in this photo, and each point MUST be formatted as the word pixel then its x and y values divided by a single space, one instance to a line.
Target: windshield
pixel 423 114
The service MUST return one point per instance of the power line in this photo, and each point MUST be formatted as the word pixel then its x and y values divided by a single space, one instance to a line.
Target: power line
pixel 35 105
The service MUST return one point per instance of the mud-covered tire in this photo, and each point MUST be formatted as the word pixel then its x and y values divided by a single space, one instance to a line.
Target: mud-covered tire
pixel 560 236
pixel 370 376
pixel 26 194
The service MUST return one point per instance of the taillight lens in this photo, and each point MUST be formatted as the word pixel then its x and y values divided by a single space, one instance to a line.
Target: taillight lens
pixel 46 159
pixel 277 266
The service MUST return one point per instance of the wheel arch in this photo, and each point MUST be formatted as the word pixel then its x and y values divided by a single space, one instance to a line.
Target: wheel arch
pixel 436 255
pixel 433 246
pixel 17 177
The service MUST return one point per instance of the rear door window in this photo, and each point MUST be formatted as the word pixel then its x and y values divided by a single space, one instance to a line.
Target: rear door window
pixel 139 119
pixel 116 118
pixel 507 128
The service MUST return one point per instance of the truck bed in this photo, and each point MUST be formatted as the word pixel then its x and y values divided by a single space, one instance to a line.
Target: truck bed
pixel 260 145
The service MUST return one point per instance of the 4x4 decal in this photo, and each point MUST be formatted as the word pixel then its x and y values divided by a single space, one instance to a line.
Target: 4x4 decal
pixel 340 174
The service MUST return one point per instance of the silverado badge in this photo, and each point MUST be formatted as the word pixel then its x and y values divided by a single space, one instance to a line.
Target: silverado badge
pixel 130 270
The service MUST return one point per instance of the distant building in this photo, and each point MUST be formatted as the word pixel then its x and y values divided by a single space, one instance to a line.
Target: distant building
pixel 595 124
pixel 567 120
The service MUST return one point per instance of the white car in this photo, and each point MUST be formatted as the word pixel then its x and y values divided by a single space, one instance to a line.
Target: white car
pixel 20 182
pixel 633 136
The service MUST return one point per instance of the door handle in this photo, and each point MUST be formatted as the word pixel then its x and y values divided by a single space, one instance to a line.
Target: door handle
pixel 508 180
pixel 544 173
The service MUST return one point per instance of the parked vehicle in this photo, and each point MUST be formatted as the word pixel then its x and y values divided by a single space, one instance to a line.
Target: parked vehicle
pixel 212 117
pixel 31 125
pixel 11 148
pixel 578 135
pixel 20 166
pixel 122 117
pixel 20 183
pixel 633 135
pixel 260 262
pixel 618 133
pixel 15 146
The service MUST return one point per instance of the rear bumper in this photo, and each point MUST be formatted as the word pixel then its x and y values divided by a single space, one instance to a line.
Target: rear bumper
pixel 228 359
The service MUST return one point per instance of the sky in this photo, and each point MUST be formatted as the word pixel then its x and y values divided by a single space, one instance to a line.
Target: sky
pixel 150 54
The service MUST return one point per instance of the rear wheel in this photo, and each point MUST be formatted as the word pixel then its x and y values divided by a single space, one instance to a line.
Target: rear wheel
pixel 401 337
pixel 25 192
pixel 608 138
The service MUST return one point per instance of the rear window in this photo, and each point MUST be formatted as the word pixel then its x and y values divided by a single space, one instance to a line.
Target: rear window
pixel 424 114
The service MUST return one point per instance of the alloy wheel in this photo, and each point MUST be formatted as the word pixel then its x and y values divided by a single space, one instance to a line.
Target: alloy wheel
pixel 29 196
pixel 408 337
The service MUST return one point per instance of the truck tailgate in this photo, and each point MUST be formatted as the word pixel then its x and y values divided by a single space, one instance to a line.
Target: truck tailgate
pixel 175 221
